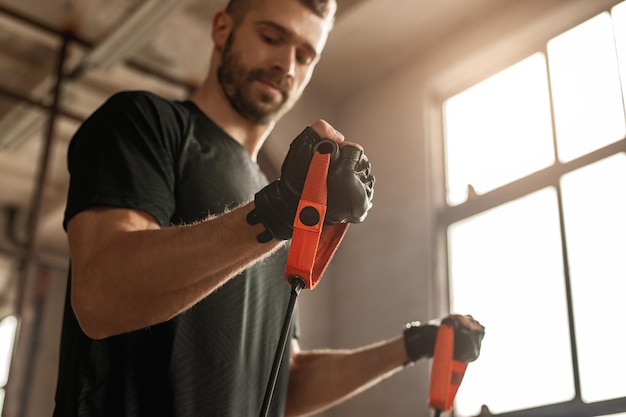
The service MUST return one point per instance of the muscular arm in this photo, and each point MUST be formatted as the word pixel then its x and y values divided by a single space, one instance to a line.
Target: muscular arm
pixel 320 379
pixel 128 273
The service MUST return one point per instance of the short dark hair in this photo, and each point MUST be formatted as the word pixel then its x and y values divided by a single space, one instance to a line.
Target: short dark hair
pixel 322 8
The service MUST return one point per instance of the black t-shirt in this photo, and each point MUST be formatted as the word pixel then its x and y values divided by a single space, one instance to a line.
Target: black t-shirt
pixel 167 158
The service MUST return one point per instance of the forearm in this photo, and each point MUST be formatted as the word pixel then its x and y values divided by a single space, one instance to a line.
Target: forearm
pixel 138 278
pixel 320 379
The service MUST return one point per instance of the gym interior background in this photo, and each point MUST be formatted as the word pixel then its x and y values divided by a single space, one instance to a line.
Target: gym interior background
pixel 496 132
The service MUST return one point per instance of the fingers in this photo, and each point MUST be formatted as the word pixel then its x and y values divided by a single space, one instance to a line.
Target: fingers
pixel 350 155
pixel 352 144
pixel 468 321
pixel 353 158
pixel 326 131
pixel 469 334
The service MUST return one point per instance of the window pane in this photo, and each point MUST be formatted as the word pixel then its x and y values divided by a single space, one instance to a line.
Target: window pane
pixel 499 130
pixel 8 327
pixel 594 202
pixel 588 108
pixel 506 268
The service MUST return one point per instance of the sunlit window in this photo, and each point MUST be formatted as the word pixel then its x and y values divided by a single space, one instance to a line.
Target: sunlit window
pixel 536 226
pixel 507 137
pixel 588 107
pixel 8 327
pixel 504 262
pixel 594 202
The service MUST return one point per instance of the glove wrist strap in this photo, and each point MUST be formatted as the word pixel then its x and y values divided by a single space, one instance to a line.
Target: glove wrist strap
pixel 419 341
pixel 253 218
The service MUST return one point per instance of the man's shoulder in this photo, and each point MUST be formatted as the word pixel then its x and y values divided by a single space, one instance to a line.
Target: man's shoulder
pixel 140 98
pixel 145 105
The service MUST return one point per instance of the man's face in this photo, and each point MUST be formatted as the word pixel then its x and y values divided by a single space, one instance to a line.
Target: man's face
pixel 269 58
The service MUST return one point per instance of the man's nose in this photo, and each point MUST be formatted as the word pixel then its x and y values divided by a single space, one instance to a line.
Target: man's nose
pixel 285 61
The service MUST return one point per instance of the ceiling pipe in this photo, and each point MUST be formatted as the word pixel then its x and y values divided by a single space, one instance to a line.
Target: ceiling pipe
pixel 24 123
pixel 122 42
pixel 40 104
pixel 31 22
pixel 135 65
pixel 132 34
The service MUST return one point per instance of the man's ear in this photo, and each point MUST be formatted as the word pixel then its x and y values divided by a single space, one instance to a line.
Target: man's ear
pixel 222 25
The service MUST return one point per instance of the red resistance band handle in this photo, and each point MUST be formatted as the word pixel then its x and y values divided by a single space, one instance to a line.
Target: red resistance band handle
pixel 446 373
pixel 314 243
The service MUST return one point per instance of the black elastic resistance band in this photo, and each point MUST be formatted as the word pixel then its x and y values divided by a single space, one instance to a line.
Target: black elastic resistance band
pixel 297 284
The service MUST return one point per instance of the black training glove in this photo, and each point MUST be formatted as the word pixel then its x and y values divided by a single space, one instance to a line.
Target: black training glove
pixel 420 339
pixel 466 341
pixel 350 188
pixel 277 203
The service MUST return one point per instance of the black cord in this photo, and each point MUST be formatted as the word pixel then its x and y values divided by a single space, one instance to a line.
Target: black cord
pixel 437 412
pixel 297 284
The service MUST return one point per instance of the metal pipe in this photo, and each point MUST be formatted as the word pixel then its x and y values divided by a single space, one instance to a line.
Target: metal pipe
pixel 40 104
pixel 131 33
pixel 44 162
pixel 37 24
pixel 51 30
pixel 28 268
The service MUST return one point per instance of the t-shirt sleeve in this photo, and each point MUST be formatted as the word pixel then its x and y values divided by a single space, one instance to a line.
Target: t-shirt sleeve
pixel 124 156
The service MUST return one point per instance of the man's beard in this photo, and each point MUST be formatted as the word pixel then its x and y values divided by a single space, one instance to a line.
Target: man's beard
pixel 236 83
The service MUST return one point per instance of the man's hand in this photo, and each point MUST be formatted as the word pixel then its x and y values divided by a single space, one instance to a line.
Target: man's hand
pixel 468 334
pixel 350 186
pixel 350 183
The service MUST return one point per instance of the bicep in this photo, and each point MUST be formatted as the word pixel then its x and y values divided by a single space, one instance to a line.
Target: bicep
pixel 93 237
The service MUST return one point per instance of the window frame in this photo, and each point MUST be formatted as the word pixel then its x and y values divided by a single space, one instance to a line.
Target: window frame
pixel 445 215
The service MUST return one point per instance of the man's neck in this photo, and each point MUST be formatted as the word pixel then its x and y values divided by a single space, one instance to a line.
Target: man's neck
pixel 213 103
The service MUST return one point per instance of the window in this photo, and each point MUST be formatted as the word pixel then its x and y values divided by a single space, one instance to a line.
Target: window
pixel 535 224
pixel 8 323
pixel 8 328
